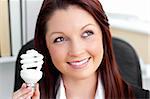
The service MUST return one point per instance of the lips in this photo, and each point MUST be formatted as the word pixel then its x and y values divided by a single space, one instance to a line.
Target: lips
pixel 78 64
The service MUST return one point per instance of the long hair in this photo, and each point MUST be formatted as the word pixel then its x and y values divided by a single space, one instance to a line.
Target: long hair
pixel 114 86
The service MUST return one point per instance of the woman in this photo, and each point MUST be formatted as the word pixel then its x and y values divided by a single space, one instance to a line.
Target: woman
pixel 79 63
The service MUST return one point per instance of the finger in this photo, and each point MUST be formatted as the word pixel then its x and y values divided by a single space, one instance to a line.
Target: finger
pixel 24 95
pixel 22 92
pixel 24 85
pixel 36 94
pixel 27 95
pixel 18 91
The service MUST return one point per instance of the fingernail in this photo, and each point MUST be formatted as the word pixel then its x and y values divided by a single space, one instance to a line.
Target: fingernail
pixel 23 85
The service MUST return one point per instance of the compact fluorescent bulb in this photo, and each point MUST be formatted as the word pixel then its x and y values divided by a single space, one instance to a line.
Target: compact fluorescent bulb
pixel 31 65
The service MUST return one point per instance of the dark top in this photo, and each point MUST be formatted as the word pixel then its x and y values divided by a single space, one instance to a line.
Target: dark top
pixel 141 93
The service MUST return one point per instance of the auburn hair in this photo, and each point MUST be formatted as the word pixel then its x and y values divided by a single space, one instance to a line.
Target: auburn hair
pixel 113 84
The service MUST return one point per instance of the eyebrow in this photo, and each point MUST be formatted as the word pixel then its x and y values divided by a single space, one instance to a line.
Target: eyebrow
pixel 80 29
pixel 86 26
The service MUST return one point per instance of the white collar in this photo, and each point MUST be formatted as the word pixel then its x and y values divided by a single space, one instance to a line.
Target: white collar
pixel 62 95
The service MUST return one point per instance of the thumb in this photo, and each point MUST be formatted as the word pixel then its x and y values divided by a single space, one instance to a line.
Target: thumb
pixel 36 94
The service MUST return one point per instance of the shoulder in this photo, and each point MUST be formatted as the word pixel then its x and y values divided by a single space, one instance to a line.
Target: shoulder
pixel 141 93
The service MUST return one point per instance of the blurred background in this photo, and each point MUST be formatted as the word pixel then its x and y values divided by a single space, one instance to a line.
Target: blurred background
pixel 129 20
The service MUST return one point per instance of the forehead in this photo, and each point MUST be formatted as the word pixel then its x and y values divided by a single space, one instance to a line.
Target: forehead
pixel 70 18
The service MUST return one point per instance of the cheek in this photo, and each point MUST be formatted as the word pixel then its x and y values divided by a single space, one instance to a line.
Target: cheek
pixel 96 49
pixel 57 55
pixel 53 51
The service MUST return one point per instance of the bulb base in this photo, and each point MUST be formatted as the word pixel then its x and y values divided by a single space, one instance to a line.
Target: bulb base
pixel 31 85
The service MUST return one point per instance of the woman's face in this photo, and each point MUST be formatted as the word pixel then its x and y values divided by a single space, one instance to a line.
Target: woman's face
pixel 74 41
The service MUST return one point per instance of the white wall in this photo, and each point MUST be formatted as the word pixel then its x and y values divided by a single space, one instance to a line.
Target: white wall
pixel 30 11
pixel 7 73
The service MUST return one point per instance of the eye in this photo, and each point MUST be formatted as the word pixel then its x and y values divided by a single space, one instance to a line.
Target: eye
pixel 87 33
pixel 59 39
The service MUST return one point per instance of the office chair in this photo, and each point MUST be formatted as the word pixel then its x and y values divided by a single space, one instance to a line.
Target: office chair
pixel 128 62
pixel 125 55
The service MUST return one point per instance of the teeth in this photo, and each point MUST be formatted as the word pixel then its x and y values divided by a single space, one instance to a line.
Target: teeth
pixel 79 63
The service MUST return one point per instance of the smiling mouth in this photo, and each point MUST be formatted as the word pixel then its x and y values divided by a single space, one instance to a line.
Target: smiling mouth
pixel 79 63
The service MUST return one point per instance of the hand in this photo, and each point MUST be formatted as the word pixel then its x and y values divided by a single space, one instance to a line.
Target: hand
pixel 27 93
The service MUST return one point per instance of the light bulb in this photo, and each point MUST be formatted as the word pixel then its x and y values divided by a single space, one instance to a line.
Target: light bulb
pixel 31 65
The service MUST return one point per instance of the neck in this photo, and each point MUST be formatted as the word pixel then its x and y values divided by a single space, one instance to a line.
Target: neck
pixel 81 88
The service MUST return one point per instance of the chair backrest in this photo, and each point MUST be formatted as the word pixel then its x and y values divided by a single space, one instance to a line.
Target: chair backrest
pixel 125 55
pixel 128 62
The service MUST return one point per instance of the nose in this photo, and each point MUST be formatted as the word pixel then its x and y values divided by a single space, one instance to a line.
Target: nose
pixel 76 48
